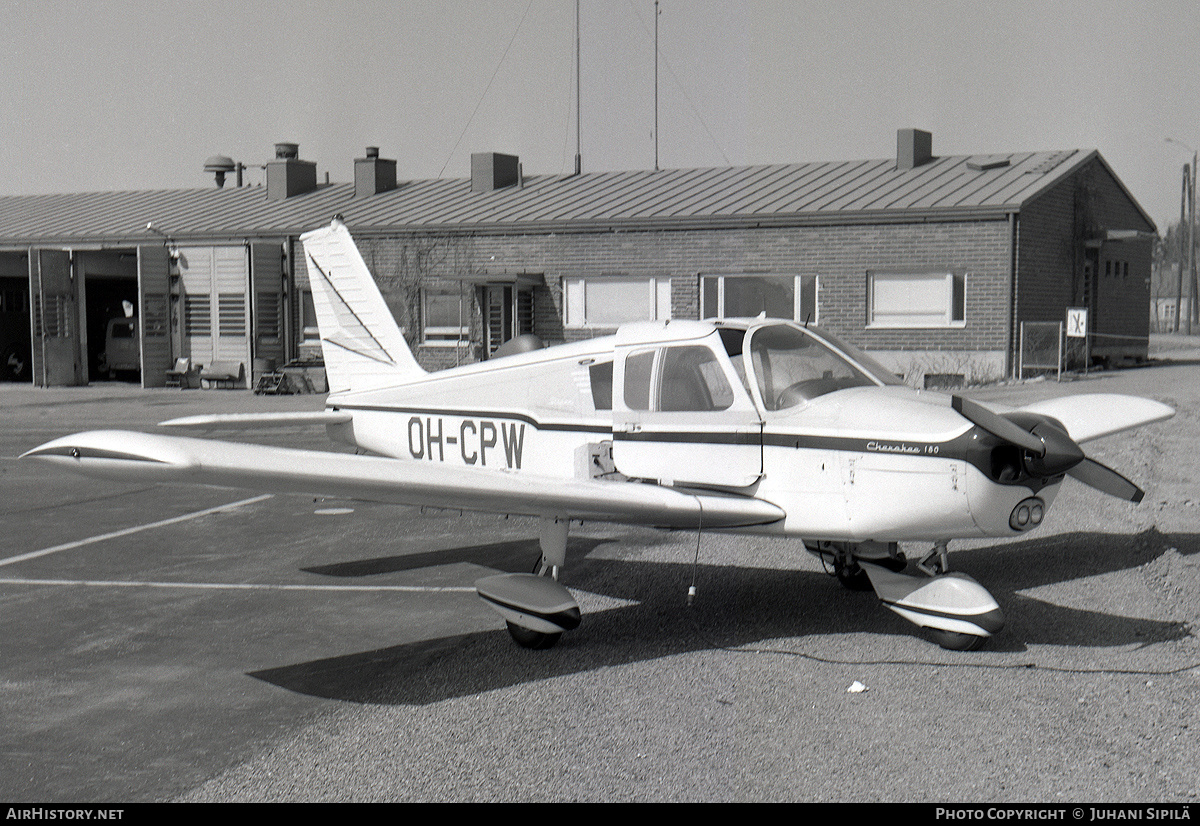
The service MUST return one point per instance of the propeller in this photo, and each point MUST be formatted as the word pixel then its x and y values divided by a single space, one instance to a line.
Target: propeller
pixel 1049 450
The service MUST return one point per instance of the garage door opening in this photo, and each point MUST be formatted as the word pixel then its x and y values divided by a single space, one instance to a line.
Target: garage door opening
pixel 111 290
pixel 15 334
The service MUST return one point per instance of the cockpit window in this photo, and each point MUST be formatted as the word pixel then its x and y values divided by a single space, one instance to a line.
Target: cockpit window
pixel 792 367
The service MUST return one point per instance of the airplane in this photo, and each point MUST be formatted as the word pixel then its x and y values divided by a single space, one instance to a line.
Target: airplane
pixel 756 425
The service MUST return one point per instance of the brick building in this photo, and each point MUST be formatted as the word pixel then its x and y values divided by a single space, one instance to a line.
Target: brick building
pixel 929 262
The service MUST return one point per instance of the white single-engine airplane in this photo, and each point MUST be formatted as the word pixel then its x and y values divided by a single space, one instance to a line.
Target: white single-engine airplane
pixel 758 425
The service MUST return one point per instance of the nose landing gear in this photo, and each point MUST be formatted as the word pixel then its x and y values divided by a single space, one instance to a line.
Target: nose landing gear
pixel 957 611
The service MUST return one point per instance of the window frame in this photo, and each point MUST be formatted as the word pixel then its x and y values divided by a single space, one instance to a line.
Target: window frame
pixel 953 313
pixel 575 314
pixel 451 334
pixel 798 280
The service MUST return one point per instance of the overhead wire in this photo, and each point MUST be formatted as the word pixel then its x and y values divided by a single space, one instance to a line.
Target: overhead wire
pixel 487 89
pixel 682 88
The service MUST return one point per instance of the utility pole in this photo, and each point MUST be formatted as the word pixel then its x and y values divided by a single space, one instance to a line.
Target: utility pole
pixel 655 85
pixel 1187 212
pixel 1192 244
pixel 1183 199
pixel 578 95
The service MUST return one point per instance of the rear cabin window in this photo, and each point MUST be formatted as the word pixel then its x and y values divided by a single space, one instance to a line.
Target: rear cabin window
pixel 601 376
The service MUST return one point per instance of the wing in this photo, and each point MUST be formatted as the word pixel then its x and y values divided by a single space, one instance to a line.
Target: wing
pixel 132 456
pixel 1094 415
pixel 256 420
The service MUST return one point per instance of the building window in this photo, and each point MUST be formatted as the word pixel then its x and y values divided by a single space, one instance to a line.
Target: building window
pixel 748 296
pixel 310 331
pixel 916 299
pixel 609 301
pixel 445 316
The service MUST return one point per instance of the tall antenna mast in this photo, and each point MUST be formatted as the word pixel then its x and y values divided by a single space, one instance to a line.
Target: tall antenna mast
pixel 655 85
pixel 578 116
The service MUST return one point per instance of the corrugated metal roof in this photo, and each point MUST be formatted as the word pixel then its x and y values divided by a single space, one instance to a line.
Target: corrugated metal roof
pixel 774 194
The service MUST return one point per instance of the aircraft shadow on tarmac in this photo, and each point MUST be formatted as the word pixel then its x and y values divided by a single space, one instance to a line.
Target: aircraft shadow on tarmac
pixel 737 606
pixel 514 556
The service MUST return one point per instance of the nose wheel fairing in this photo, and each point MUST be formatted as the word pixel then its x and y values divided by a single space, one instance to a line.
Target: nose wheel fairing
pixel 536 603
pixel 949 602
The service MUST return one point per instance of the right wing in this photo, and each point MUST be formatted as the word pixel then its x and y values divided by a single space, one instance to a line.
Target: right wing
pixel 237 421
pixel 134 456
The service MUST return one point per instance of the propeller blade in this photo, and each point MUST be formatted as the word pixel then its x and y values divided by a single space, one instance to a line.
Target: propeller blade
pixel 997 425
pixel 1106 480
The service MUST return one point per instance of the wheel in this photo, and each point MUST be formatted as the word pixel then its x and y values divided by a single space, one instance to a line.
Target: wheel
pixel 852 576
pixel 535 640
pixel 955 641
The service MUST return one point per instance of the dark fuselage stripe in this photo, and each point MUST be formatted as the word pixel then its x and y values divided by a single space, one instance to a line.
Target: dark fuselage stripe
pixel 479 414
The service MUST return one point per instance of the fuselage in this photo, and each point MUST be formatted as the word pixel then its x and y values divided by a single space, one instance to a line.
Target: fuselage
pixel 760 408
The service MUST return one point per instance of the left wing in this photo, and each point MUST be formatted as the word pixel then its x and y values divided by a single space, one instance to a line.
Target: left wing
pixel 1095 415
pixel 133 456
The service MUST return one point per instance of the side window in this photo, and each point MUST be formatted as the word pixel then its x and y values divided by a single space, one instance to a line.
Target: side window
pixel 692 379
pixel 601 377
pixel 639 368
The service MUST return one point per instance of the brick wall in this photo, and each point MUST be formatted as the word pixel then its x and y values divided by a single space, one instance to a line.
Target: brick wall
pixel 1050 262
pixel 839 256
pixel 1053 252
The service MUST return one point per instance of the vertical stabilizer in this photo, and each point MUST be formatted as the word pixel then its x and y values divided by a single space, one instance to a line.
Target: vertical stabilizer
pixel 363 347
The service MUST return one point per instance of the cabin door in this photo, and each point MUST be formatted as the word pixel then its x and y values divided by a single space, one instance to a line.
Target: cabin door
pixel 682 416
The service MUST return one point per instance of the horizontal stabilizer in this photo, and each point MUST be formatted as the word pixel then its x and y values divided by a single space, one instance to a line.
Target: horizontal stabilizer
pixel 149 457
pixel 240 421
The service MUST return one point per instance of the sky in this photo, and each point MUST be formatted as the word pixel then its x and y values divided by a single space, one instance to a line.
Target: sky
pixel 133 95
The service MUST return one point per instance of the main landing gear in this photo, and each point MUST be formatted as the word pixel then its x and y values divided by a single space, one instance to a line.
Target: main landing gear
pixel 535 607
pixel 957 611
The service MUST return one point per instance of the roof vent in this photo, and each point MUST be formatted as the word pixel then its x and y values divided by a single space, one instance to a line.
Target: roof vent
pixel 491 170
pixel 373 174
pixel 914 147
pixel 984 166
pixel 287 175
pixel 220 166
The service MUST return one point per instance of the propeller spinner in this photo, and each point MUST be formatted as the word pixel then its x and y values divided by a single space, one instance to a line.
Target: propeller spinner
pixel 1049 450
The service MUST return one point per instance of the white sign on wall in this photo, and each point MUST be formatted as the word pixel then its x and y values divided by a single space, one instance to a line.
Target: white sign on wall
pixel 1077 322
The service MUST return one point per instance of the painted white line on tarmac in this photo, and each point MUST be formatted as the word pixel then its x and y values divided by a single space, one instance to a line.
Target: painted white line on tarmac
pixel 126 531
pixel 241 586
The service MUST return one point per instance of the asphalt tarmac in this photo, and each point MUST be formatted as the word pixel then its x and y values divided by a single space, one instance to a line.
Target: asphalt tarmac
pixel 197 644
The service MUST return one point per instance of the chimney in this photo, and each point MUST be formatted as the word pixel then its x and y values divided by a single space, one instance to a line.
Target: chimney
pixel 914 147
pixel 373 174
pixel 287 175
pixel 491 170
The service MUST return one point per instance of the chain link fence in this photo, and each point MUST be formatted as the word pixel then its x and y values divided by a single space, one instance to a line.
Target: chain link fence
pixel 1041 348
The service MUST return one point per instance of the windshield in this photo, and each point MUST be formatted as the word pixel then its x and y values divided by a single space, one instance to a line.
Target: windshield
pixel 792 367
pixel 865 361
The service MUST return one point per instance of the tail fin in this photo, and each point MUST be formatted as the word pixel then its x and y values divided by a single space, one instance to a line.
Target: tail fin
pixel 363 347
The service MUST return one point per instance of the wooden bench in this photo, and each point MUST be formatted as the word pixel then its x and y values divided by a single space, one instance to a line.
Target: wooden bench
pixel 223 374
